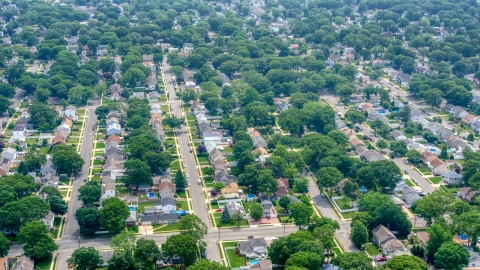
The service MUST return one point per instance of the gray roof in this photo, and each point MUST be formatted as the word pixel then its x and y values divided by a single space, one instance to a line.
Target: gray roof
pixel 252 243
pixel 19 128
pixel 168 201
pixel 158 217
pixel 452 174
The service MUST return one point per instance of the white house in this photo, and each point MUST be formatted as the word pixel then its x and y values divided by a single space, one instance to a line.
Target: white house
pixel 212 137
pixel 167 204
pixel 416 115
pixel 65 127
pixel 114 128
pixel 452 178
pixel 10 154
pixel 398 135
pixel 48 220
pixel 18 134
pixel 71 111
pixel 253 247
pixel 108 190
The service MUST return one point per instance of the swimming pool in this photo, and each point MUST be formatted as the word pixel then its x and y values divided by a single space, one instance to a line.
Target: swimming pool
pixel 131 208
pixel 151 194
pixel 253 262
pixel 250 196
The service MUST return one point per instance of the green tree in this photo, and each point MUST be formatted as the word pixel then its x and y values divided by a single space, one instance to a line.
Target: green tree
pixel 80 94
pixel 206 264
pixel 404 114
pixel 138 172
pixel 237 217
pixel 225 216
pixel 301 213
pixel 301 184
pixel 85 259
pixel 284 201
pixel 469 224
pixel 146 254
pixel 434 206
pixel 4 245
pixel 124 244
pixel 188 95
pixel 359 233
pixel 4 104
pixel 106 65
pixel 256 211
pixel 308 260
pixel 451 256
pixel 432 97
pixel 207 170
pixel 118 262
pixel 443 153
pixel 90 193
pixel 328 177
pixel 218 186
pixel 193 226
pixel 182 245
pixel 87 219
pixel 406 262
pixel 16 214
pixel 438 236
pixel 382 144
pixel 180 182
pixel 281 250
pixel 414 156
pixel 66 158
pixel 57 205
pixel 173 122
pixel 353 260
pixel 113 215
pixel 37 242
pixel 399 147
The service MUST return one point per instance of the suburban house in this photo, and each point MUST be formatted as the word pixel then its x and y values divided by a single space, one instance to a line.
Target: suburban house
pixel 132 219
pixel 19 132
pixel 234 208
pixel 398 135
pixel 423 236
pixel 167 204
pixel 22 263
pixel 159 218
pixel 60 136
pixel 231 191
pixel 410 195
pixel 253 248
pixel 264 264
pixel 48 167
pixel 427 156
pixel 385 239
pixel 458 112
pixel 114 128
pixel 452 178
pixel 48 220
pixel 153 96
pixel 113 151
pixel 372 155
pixel 225 178
pixel 215 137
pixel 71 111
pixel 10 154
pixel 467 194
pixel 416 115
pixel 166 189
pixel 438 167
pixel 268 209
pixel 283 186
pixel 108 191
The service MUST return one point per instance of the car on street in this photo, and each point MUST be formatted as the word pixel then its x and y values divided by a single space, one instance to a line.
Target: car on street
pixel 187 175
pixel 188 144
pixel 189 183
pixel 185 165
pixel 199 181
pixel 190 150
pixel 321 195
pixel 381 259
pixel 84 179
pixel 405 171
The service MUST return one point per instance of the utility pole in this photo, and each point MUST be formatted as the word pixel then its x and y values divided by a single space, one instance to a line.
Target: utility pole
pixel 219 227
pixel 284 224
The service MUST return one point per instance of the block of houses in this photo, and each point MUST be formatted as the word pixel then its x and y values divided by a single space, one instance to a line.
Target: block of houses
pixel 234 208
pixel 398 135
pixel 159 218
pixel 283 186
pixel 253 248
pixel 167 204
pixel 166 189
pixel 385 239
pixel 71 111
pixel 452 178
pixel 410 195
pixel 438 167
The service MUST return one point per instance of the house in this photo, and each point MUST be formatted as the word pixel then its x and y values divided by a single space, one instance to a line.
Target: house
pixel 268 209
pixel 113 151
pixel 48 167
pixel 458 112
pixel 212 137
pixel 114 128
pixel 70 111
pixel 108 191
pixel 283 186
pixel 469 118
pixel 467 194
pixel 10 154
pixel 115 97
pixel 167 204
pixel 259 141
pixel 115 88
pixel 139 95
pixel 22 263
pixel 65 127
pixel 153 96
pixel 476 126
pixel 385 239
pixel 60 136
pixel 438 167
pixel 371 156
pixel 423 237
pixel 340 125
pixel 427 156
pixel 355 98
pixel 231 191
pixel 48 220
pixel 225 178
pixel 403 78
pixel 452 178
pixel 18 134
pixel 253 248
pixel 234 208
pixel 113 164
pixel 159 218
pixel 166 189
pixel 264 264
pixel 410 195
pixel 398 135
pixel 356 143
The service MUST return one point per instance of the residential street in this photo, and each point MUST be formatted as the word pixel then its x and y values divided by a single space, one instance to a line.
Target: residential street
pixel 196 192
pixel 424 184
pixel 70 231
pixel 13 104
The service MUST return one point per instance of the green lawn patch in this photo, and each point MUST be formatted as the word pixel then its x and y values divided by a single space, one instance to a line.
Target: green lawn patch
pixel 350 214
pixel 234 260
pixel 229 244
pixel 371 249
pixel 175 165
pixel 203 159
pixel 424 170
pixel 97 162
pixel 99 145
pixel 410 183
pixel 230 158
pixel 141 207
pixel 63 192
pixel 218 220
pixel 181 194
pixel 44 264
pixel 436 179
pixel 167 228
pixel 44 150
pixel 183 205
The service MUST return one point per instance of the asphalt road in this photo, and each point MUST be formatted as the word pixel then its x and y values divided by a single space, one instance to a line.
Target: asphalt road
pixel 196 192
pixel 71 229
pixel 13 104
pixel 423 184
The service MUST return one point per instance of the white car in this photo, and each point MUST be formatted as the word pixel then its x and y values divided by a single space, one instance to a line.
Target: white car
pixel 185 165
pixel 187 175
pixel 189 183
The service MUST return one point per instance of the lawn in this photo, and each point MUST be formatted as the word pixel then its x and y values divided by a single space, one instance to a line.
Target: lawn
pixel 424 170
pixel 141 207
pixel 229 244
pixel 183 205
pixel 44 150
pixel 97 162
pixel 372 249
pixel 175 165
pixel 350 215
pixel 44 264
pixel 181 194
pixel 410 183
pixel 436 179
pixel 230 158
pixel 63 192
pixel 451 190
pixel 99 145
pixel 218 220
pixel 203 159
pixel 166 228
pixel 233 259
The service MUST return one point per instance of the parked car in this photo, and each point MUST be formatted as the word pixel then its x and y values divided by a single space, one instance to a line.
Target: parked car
pixel 405 171
pixel 381 259
pixel 218 210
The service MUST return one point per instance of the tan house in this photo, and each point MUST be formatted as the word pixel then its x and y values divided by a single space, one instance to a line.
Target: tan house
pixel 231 191
pixel 166 189
pixel 427 156
pixel 438 167
pixel 385 239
